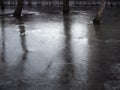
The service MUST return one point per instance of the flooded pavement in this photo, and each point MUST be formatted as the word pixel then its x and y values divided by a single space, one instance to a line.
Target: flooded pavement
pixel 52 51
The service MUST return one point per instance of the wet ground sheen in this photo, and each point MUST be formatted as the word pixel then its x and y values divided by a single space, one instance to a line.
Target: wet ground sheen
pixel 46 50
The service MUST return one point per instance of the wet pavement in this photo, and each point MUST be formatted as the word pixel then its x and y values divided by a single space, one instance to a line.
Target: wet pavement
pixel 52 51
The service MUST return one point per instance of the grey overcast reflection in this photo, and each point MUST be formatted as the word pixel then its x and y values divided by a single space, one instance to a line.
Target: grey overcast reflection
pixel 59 45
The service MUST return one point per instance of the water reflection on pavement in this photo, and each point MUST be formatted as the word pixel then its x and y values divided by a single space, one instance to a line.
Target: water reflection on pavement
pixel 58 52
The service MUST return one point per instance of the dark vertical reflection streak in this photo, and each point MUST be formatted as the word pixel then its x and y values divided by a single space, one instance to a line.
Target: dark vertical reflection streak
pixel 3 37
pixel 21 26
pixel 22 36
pixel 67 72
pixel 3 75
pixel 23 39
pixel 98 32
pixel 97 65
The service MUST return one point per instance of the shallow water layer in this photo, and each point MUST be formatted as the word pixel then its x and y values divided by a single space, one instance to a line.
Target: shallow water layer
pixel 52 51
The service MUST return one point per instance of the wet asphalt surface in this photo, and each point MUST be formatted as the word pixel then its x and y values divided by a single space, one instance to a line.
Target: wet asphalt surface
pixel 52 51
